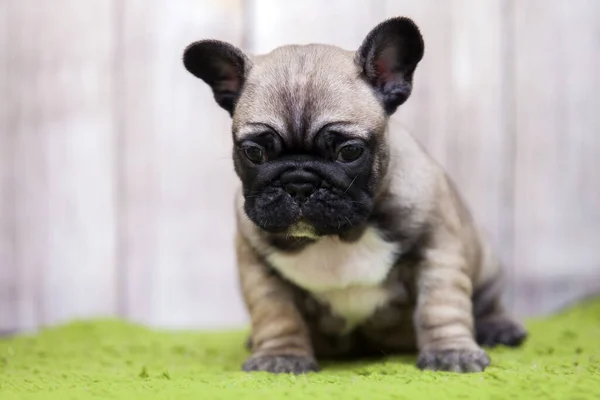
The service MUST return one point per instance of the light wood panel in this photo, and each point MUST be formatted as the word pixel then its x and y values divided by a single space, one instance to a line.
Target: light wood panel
pixel 116 180
pixel 178 180
pixel 557 185
pixel 8 279
pixel 345 23
pixel 59 90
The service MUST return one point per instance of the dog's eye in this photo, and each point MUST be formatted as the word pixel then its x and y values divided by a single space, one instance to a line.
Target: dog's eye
pixel 254 154
pixel 349 153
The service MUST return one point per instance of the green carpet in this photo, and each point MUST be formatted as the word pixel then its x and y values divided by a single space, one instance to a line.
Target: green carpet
pixel 112 359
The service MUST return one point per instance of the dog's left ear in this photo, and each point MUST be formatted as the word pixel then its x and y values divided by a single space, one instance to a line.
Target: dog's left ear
pixel 222 66
pixel 388 58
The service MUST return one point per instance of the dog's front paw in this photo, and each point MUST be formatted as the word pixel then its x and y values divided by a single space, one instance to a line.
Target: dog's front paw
pixel 471 360
pixel 281 364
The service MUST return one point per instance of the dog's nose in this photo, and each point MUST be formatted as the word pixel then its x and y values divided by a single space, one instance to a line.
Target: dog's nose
pixel 299 184
pixel 300 191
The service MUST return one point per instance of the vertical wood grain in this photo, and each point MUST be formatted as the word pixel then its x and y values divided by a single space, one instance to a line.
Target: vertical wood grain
pixel 8 268
pixel 557 218
pixel 23 154
pixel 60 84
pixel 138 197
pixel 178 181
pixel 344 23
pixel 116 180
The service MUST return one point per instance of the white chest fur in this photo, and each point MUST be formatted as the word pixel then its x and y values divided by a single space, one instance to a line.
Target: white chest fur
pixel 347 276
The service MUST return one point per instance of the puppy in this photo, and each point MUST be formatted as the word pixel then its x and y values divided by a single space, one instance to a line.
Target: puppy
pixel 351 241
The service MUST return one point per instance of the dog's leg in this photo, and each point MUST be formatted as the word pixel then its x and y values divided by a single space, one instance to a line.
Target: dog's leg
pixel 444 320
pixel 280 340
pixel 493 325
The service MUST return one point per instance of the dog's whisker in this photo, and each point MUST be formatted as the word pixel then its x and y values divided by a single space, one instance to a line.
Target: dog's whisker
pixel 349 186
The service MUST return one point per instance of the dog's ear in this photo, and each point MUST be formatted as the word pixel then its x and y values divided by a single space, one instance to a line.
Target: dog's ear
pixel 220 65
pixel 388 58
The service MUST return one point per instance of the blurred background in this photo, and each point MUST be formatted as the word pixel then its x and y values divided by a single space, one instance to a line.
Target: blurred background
pixel 116 184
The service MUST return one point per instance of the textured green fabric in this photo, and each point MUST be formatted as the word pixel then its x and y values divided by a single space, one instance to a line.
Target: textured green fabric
pixel 113 359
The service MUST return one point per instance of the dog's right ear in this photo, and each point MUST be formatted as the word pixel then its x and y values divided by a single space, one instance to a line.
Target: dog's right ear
pixel 388 58
pixel 220 65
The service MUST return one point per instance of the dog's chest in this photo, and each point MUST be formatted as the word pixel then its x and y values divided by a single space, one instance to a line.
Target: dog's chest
pixel 346 276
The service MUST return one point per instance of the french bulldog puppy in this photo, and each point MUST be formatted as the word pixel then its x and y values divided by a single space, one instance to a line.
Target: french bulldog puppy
pixel 351 241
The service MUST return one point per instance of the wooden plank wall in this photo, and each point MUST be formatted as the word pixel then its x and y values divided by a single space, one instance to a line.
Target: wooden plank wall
pixel 557 157
pixel 59 101
pixel 115 172
pixel 177 181
pixel 8 271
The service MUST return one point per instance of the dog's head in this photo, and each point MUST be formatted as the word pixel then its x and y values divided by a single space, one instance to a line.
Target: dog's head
pixel 309 124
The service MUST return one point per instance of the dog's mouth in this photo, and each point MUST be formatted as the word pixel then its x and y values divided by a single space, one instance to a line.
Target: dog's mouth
pixel 323 213
pixel 302 229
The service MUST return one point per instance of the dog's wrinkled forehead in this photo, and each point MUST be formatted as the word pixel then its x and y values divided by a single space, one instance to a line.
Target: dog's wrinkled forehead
pixel 299 89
